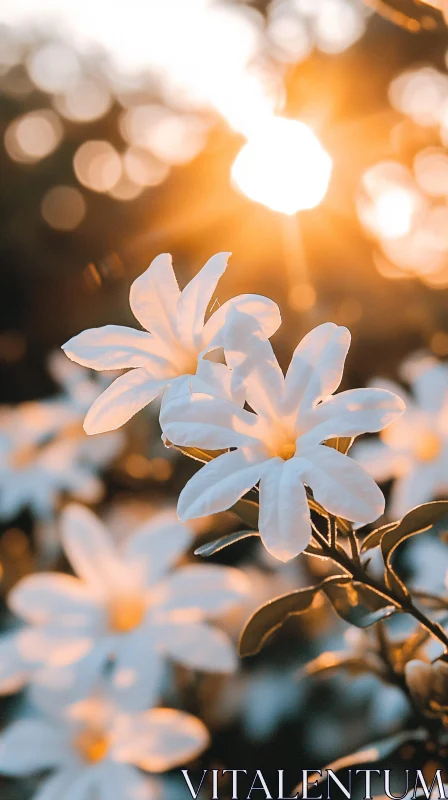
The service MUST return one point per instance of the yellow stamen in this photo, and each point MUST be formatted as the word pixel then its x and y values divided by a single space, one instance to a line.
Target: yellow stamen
pixel 429 447
pixel 92 745
pixel 287 451
pixel 126 613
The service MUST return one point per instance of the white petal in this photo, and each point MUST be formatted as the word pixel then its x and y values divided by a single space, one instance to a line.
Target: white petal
pixel 350 414
pixel 28 746
pixel 154 297
pixel 284 522
pixel 121 400
pixel 196 297
pixel 206 589
pixel 90 549
pixel 341 486
pixel 316 367
pixel 124 782
pixel 200 420
pixel 215 379
pixel 46 596
pixel 200 647
pixel 265 311
pixel 218 485
pixel 57 786
pixel 54 687
pixel 431 388
pixel 379 460
pixel 157 544
pixel 250 355
pixel 112 347
pixel 413 489
pixel 13 672
pixel 137 673
pixel 66 642
pixel 163 739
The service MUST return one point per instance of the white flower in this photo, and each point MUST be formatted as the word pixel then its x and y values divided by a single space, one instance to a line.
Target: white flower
pixel 96 750
pixel 44 452
pixel 280 444
pixel 175 346
pixel 124 606
pixel 414 450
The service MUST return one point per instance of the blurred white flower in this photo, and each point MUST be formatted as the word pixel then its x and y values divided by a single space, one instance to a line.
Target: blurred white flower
pixel 280 444
pixel 96 749
pixel 124 606
pixel 175 347
pixel 44 452
pixel 414 450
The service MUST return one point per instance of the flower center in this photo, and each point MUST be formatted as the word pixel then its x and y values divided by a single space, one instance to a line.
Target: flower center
pixel 286 451
pixel 126 613
pixel 429 447
pixel 92 745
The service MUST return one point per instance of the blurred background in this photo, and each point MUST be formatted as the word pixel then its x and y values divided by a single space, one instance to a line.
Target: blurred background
pixel 308 137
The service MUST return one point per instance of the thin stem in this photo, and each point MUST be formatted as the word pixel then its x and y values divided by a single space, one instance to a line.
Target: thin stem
pixel 404 604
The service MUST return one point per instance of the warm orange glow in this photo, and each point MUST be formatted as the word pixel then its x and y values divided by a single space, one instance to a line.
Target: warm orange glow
pixel 429 447
pixel 283 166
pixel 126 613
pixel 92 745
pixel 395 210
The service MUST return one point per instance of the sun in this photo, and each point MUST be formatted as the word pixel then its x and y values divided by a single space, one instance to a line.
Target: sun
pixel 283 166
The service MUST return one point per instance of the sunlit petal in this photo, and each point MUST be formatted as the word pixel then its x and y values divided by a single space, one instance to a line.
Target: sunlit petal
pixel 196 297
pixel 154 297
pixel 284 522
pixel 127 394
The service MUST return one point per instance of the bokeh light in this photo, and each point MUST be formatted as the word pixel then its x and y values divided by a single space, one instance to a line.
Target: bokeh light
pixel 97 165
pixel 33 136
pixel 63 208
pixel 285 167
pixel 85 101
pixel 53 67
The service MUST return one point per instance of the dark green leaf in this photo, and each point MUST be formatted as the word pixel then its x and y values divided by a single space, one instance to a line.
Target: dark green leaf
pixel 374 538
pixel 210 548
pixel 358 604
pixel 331 662
pixel 272 615
pixel 417 520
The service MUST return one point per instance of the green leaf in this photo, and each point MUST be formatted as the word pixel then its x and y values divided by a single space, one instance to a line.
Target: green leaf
pixel 374 538
pixel 210 548
pixel 418 520
pixel 268 618
pixel 377 751
pixel 331 662
pixel 358 604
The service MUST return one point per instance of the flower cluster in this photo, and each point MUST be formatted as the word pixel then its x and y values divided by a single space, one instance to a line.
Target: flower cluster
pixel 272 427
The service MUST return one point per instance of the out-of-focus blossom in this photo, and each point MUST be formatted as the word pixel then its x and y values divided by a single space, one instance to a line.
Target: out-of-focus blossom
pixel 126 605
pixel 44 452
pixel 95 748
pixel 413 450
pixel 281 444
pixel 176 346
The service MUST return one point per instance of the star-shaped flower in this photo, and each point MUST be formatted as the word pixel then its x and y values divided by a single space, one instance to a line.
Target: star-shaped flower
pixel 127 606
pixel 96 750
pixel 281 443
pixel 44 452
pixel 414 450
pixel 174 347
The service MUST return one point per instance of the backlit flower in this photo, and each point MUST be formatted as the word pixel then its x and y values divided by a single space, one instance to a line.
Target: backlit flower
pixel 178 339
pixel 126 606
pixel 96 749
pixel 281 443
pixel 414 450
